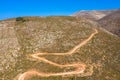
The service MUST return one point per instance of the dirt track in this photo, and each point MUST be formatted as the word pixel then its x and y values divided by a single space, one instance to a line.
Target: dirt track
pixel 80 68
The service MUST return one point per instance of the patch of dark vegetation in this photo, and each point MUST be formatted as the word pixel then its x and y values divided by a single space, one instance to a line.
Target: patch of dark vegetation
pixel 20 19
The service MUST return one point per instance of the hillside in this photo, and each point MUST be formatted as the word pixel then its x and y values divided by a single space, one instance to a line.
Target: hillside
pixel 93 14
pixel 111 22
pixel 57 48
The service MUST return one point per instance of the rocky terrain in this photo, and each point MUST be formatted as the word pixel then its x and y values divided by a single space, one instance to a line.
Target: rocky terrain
pixel 108 19
pixel 111 22
pixel 93 14
pixel 61 48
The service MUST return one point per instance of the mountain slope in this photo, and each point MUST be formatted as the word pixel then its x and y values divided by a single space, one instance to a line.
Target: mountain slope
pixel 58 48
pixel 93 14
pixel 111 22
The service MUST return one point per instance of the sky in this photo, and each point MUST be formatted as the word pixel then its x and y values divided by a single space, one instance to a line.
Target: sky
pixel 16 8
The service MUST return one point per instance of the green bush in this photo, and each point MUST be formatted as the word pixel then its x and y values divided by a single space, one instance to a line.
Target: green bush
pixel 20 19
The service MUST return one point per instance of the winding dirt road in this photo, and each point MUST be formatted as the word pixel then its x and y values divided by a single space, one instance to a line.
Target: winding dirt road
pixel 79 68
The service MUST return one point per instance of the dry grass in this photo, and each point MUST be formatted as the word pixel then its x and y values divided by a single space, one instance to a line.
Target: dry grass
pixel 60 34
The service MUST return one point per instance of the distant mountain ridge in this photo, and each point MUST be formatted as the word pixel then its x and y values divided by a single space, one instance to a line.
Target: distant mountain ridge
pixel 111 22
pixel 93 14
pixel 107 19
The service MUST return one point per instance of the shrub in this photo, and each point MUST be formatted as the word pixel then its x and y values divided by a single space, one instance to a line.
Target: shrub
pixel 20 19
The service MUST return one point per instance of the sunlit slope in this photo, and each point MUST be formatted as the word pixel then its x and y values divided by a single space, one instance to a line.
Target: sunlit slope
pixel 93 14
pixel 60 35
